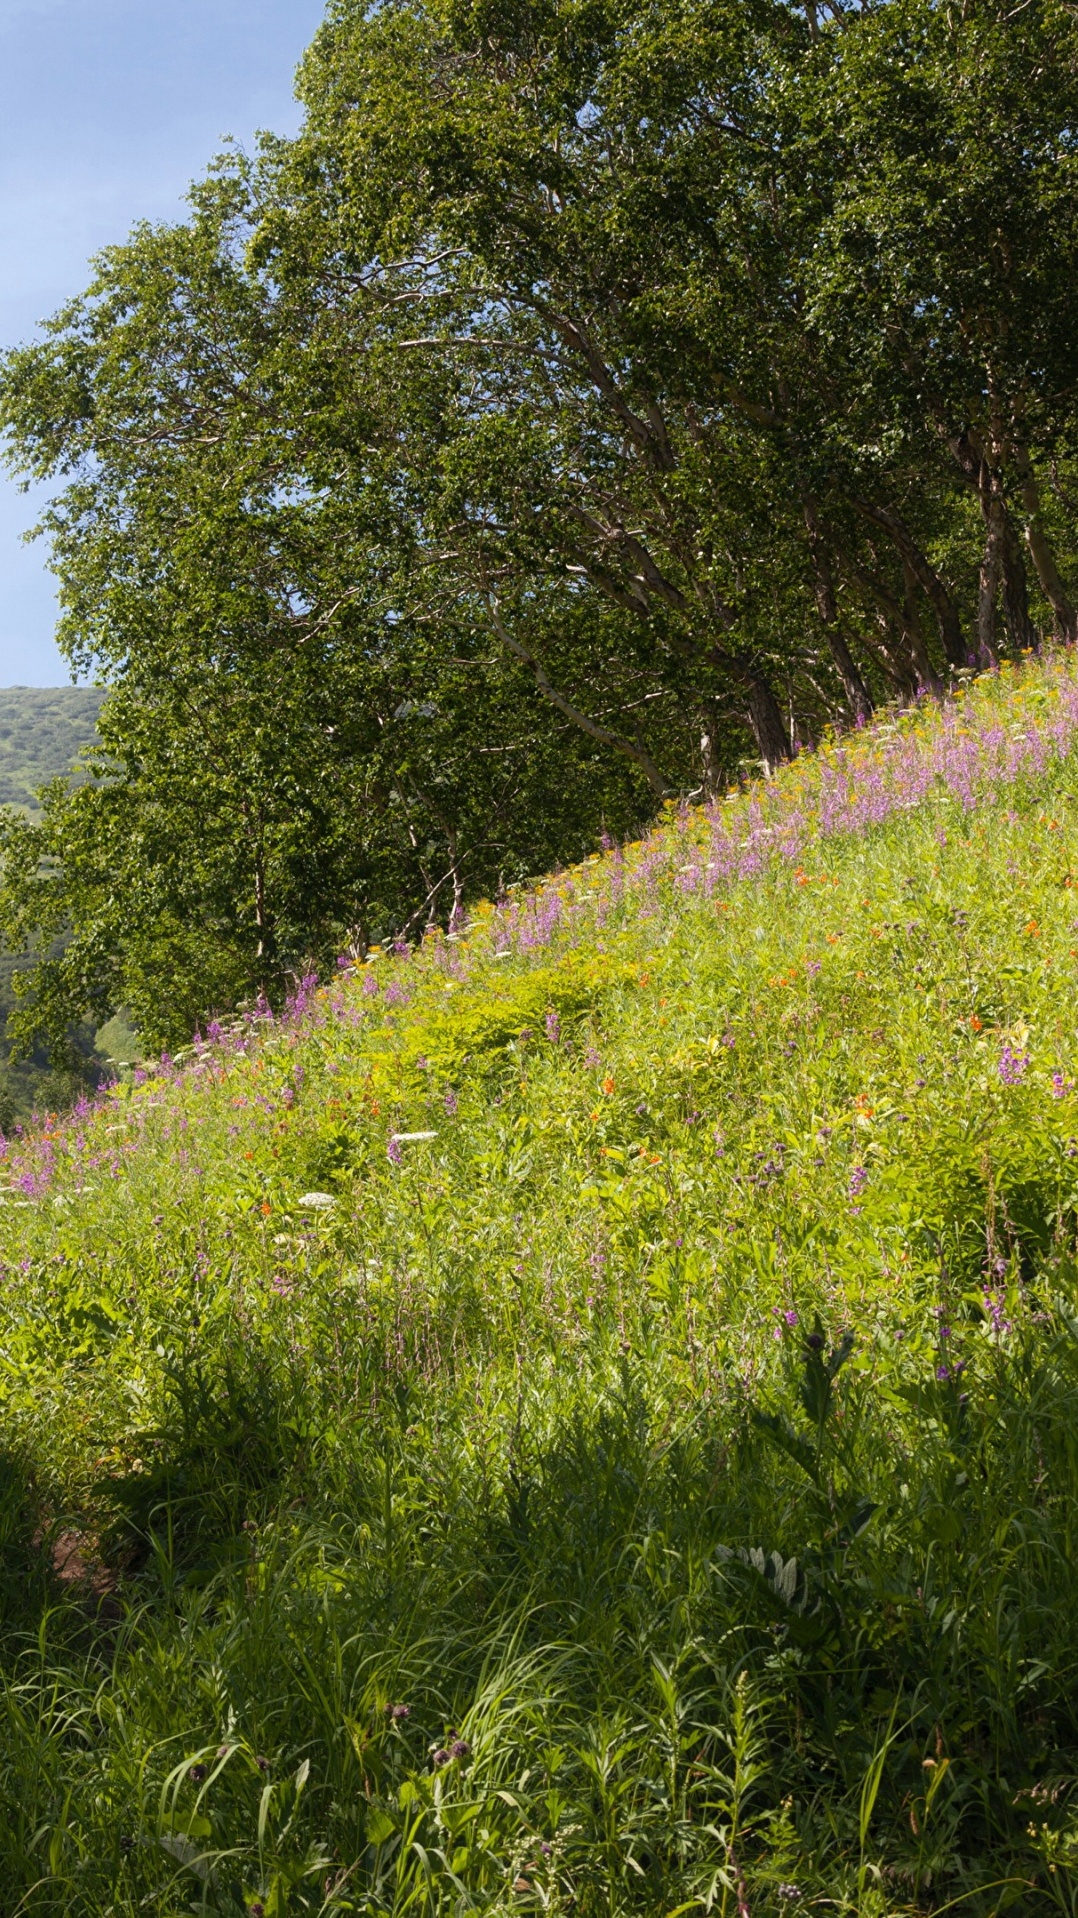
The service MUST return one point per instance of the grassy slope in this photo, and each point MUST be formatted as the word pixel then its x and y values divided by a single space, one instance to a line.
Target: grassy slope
pixel 679 1419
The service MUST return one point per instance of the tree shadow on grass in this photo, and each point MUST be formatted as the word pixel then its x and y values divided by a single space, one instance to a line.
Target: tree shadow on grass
pixel 225 1451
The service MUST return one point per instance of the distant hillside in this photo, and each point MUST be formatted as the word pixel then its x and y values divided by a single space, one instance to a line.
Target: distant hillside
pixel 43 729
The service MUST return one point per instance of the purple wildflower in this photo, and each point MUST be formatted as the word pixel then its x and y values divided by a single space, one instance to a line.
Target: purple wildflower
pixel 1012 1066
pixel 858 1180
pixel 451 1101
pixel 393 1152
pixel 553 1028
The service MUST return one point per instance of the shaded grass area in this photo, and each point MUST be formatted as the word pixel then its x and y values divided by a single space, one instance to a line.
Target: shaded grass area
pixel 583 1416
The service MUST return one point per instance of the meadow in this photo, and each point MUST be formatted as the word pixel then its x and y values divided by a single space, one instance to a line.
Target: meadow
pixel 581 1416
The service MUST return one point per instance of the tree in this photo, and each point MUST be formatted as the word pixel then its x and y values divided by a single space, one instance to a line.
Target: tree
pixel 289 765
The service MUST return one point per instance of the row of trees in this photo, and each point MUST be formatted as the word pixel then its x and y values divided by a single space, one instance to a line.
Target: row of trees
pixel 595 394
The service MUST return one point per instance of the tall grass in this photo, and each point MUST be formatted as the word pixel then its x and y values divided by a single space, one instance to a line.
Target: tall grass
pixel 583 1416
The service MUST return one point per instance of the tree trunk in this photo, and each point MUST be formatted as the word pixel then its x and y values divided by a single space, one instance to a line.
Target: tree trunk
pixel 897 618
pixel 762 711
pixel 987 593
pixel 926 673
pixel 711 770
pixel 630 749
pixel 950 626
pixel 858 696
pixel 1015 581
pixel 892 653
pixel 979 462
pixel 1040 551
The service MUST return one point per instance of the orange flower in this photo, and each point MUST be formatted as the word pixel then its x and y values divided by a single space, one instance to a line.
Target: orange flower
pixel 608 1085
pixel 266 1208
pixel 1033 929
pixel 975 1022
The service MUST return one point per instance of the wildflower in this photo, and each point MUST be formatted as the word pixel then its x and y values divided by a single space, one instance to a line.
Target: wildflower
pixel 393 1152
pixel 1012 1066
pixel 975 1022
pixel 814 1341
pixel 858 1180
pixel 440 1757
pixel 950 1373
pixel 591 1057
pixel 397 1712
pixel 994 1308
pixel 1061 1085
pixel 451 1101
pixel 790 1316
pixel 553 1028
pixel 460 1748
pixel 197 1773
pixel 265 1208
pixel 263 1764
pixel 608 1085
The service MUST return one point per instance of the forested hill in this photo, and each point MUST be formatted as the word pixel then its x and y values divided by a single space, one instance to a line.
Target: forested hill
pixel 43 730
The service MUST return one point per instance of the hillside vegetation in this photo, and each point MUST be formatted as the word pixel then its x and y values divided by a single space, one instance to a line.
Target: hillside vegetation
pixel 43 731
pixel 582 1416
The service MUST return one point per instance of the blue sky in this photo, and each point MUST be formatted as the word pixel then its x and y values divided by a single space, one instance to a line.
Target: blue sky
pixel 108 109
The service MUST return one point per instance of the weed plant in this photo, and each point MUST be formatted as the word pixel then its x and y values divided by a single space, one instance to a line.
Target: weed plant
pixel 582 1417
